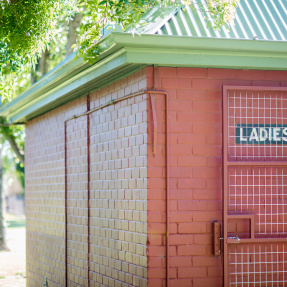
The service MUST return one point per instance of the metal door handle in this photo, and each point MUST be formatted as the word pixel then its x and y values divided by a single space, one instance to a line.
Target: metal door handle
pixel 234 237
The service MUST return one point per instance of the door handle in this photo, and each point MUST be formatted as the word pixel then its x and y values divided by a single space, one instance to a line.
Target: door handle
pixel 234 238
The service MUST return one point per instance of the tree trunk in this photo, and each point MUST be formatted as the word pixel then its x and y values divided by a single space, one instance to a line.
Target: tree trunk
pixel 10 137
pixel 3 243
pixel 73 34
pixel 42 67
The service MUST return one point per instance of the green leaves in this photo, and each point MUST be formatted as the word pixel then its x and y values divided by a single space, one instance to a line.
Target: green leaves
pixel 128 14
pixel 26 27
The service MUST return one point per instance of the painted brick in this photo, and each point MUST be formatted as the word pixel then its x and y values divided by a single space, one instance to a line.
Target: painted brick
pixel 118 158
pixel 180 239
pixel 156 262
pixel 191 139
pixel 180 261
pixel 181 194
pixel 156 273
pixel 155 251
pixel 199 238
pixel 192 228
pixel 206 128
pixel 177 172
pixel 192 161
pixel 210 106
pixel 266 83
pixel 214 271
pixel 214 282
pixel 180 127
pixel 275 75
pixel 208 150
pixel 187 272
pixel 180 216
pixel 180 105
pixel 128 210
pixel 187 183
pixel 166 72
pixel 155 239
pixel 206 84
pixel 191 250
pixel 191 73
pixel 156 228
pixel 171 83
pixel 191 116
pixel 236 83
pixel 206 172
pixel 214 117
pixel 222 74
pixel 251 74
pixel 155 282
pixel 156 194
pixel 181 282
pixel 181 149
pixel 192 205
pixel 206 261
pixel 208 216
pixel 207 194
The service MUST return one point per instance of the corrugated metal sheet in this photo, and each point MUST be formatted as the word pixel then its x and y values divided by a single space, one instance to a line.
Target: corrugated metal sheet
pixel 255 19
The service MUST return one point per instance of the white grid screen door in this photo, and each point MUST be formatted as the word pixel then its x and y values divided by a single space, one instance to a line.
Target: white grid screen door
pixel 255 186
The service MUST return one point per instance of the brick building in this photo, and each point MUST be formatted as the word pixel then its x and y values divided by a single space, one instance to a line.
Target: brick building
pixel 130 161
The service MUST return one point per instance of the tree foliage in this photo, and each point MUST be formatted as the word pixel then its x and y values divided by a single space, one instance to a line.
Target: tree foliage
pixel 26 27
pixel 128 14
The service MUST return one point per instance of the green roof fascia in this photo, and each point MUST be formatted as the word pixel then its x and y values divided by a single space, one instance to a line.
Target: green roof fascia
pixel 123 53
pixel 97 76
pixel 157 49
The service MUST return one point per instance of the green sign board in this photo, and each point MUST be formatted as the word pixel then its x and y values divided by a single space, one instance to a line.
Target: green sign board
pixel 261 134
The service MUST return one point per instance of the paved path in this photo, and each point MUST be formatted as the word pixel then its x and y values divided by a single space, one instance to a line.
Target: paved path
pixel 12 263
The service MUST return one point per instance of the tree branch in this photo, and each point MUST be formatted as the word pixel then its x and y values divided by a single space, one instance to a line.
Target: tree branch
pixel 10 137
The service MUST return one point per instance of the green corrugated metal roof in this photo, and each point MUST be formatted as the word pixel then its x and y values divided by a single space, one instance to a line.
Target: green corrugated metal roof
pixel 255 19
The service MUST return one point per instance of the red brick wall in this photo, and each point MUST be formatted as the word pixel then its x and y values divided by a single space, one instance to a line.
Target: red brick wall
pixel 45 212
pixel 127 206
pixel 195 116
pixel 118 205
pixel 77 204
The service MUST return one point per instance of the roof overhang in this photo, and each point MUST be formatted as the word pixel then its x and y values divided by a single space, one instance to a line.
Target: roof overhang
pixel 122 54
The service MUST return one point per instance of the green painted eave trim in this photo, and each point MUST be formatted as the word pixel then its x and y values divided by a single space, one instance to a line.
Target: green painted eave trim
pixel 105 72
pixel 207 45
pixel 122 53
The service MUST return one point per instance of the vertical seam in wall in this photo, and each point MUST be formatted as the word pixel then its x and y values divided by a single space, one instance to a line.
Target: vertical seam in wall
pixel 167 186
pixel 66 213
pixel 167 171
pixel 88 183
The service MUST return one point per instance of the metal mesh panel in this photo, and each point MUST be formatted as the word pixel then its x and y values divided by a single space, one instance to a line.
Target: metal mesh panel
pixel 255 265
pixel 255 131
pixel 257 125
pixel 261 191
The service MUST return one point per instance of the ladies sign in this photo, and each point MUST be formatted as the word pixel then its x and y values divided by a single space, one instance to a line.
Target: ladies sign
pixel 261 134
